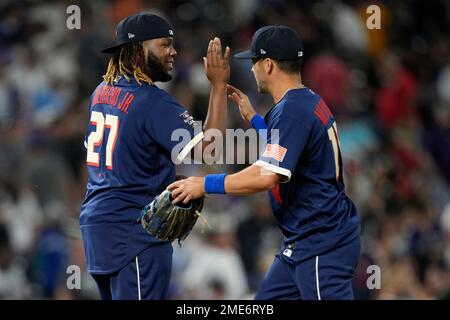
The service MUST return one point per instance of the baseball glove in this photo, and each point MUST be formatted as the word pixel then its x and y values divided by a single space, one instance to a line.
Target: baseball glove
pixel 169 221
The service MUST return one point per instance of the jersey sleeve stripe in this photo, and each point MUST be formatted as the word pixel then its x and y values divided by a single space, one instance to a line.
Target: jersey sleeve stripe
pixel 268 166
pixel 187 148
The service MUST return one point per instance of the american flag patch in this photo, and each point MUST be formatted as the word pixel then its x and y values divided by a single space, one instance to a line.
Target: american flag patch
pixel 275 151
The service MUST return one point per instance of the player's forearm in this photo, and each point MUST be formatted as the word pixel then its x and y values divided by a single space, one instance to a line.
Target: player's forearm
pixel 217 110
pixel 250 180
pixel 216 117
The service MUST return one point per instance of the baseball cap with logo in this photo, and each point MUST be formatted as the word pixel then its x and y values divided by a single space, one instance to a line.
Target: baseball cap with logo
pixel 276 42
pixel 140 27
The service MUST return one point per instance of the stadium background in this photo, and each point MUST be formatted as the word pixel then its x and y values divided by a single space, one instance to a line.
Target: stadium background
pixel 389 90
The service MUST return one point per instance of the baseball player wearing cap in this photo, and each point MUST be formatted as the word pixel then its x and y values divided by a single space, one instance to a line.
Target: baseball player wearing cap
pixel 302 169
pixel 129 155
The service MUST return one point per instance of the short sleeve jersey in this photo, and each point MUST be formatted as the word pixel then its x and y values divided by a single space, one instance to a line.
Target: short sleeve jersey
pixel 135 135
pixel 310 206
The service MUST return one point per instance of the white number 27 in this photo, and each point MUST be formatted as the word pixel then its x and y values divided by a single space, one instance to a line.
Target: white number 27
pixel 95 138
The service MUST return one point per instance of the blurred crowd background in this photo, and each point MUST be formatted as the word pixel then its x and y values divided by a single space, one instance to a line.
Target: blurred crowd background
pixel 389 90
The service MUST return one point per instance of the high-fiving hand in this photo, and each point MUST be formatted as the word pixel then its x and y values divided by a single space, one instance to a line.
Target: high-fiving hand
pixel 241 99
pixel 217 67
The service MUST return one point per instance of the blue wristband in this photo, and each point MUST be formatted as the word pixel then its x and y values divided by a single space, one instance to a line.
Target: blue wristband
pixel 215 183
pixel 258 122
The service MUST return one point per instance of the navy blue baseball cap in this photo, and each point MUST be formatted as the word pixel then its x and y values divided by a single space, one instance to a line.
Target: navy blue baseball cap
pixel 140 27
pixel 276 42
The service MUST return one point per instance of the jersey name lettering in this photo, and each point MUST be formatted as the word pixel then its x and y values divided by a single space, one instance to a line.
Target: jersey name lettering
pixel 110 95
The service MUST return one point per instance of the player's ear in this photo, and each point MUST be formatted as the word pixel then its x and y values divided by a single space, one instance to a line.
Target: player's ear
pixel 268 65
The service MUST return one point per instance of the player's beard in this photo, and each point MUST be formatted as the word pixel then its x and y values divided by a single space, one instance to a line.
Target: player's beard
pixel 154 68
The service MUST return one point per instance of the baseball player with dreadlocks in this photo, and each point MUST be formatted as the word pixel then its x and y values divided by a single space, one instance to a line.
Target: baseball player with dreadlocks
pixel 302 169
pixel 129 155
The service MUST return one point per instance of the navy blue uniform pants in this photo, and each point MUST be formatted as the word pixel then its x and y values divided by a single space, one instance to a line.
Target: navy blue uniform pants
pixel 146 277
pixel 328 276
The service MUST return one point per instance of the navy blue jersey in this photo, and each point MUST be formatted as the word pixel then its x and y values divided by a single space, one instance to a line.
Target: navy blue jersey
pixel 132 132
pixel 311 207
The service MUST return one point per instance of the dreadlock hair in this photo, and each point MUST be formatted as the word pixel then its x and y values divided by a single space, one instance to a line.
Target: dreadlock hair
pixel 128 61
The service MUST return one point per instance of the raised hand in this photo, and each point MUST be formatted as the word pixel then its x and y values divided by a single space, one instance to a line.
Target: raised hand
pixel 217 68
pixel 241 99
